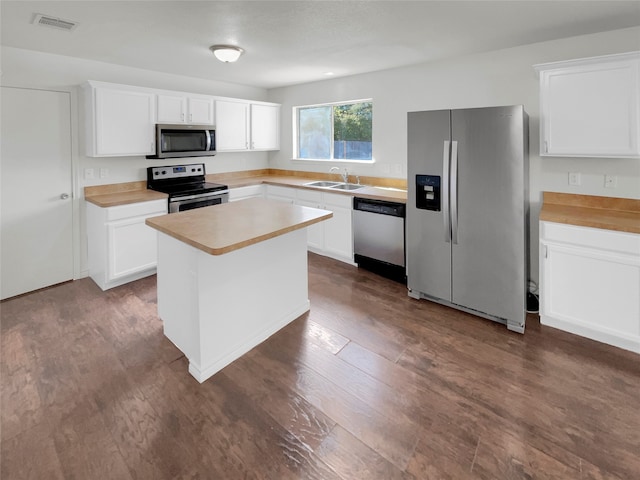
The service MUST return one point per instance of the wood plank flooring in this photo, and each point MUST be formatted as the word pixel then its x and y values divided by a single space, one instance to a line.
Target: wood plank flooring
pixel 370 384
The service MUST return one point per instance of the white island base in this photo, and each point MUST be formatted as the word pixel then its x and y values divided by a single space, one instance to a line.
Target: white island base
pixel 216 308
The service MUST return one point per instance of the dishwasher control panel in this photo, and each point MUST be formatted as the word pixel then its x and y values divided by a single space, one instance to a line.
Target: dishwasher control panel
pixel 379 206
pixel 428 192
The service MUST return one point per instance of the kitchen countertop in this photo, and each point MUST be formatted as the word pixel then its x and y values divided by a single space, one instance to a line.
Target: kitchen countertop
pixel 121 194
pixel 231 226
pixel 378 193
pixel 134 192
pixel 610 213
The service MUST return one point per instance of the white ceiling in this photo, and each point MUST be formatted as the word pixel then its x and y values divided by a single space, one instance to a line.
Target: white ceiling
pixel 291 42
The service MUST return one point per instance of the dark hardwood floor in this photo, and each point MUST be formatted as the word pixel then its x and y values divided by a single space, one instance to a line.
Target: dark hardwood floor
pixel 370 384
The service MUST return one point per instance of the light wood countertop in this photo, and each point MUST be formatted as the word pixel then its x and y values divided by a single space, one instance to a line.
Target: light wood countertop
pixel 121 194
pixel 377 193
pixel 133 192
pixel 610 213
pixel 224 228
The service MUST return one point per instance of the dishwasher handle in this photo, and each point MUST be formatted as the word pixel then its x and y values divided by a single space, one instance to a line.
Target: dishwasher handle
pixel 381 207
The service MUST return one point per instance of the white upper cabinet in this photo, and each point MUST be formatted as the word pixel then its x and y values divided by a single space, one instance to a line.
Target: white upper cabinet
pixel 185 109
pixel 590 107
pixel 232 125
pixel 247 126
pixel 265 127
pixel 119 121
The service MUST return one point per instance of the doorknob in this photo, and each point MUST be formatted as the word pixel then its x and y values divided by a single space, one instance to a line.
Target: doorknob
pixel 64 196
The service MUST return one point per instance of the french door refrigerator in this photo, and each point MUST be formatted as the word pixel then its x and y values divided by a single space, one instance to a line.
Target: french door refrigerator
pixel 467 210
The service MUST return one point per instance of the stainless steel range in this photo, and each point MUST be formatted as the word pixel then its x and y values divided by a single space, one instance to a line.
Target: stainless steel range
pixel 186 186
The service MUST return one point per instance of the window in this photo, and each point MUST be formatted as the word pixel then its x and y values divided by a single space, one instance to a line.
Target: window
pixel 335 131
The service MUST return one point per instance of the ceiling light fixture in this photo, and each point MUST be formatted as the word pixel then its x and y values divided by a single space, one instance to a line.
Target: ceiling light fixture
pixel 226 53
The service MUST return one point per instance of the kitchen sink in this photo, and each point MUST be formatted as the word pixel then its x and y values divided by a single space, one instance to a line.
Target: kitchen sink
pixel 321 184
pixel 346 186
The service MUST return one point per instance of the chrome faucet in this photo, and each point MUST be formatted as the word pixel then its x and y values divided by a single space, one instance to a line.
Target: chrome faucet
pixel 345 175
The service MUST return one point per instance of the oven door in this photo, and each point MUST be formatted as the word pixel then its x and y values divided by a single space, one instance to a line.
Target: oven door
pixel 181 204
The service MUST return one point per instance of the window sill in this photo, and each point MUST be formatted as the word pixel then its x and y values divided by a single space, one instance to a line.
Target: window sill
pixel 334 161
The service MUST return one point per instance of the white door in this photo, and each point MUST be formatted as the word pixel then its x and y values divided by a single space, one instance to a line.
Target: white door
pixel 36 209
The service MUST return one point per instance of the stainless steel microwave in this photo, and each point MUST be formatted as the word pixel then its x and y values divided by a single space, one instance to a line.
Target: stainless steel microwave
pixel 174 141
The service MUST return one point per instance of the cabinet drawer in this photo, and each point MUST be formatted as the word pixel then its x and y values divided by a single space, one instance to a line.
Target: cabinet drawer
pixel 136 209
pixel 281 191
pixel 309 195
pixel 237 193
pixel 338 200
pixel 622 242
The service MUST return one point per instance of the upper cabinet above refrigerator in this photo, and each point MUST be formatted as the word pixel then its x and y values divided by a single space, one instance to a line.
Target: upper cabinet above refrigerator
pixel 590 107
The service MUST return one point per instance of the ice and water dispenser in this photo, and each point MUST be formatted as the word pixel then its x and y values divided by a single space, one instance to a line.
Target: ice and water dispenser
pixel 428 192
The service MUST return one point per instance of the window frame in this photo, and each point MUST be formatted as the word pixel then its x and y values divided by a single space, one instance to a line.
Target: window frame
pixel 295 134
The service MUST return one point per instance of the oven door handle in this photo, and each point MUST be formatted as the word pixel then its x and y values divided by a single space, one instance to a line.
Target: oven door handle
pixel 208 140
pixel 199 196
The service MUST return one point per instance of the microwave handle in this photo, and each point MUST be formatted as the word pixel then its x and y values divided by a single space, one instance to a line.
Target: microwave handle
pixel 208 140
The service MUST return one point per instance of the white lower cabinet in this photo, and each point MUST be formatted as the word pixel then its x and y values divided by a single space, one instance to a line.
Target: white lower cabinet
pixel 333 237
pixel 250 191
pixel 590 283
pixel 121 247
pixel 338 231
pixel 282 194
pixel 315 232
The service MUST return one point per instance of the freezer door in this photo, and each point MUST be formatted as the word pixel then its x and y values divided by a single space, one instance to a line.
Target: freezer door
pixel 428 251
pixel 489 257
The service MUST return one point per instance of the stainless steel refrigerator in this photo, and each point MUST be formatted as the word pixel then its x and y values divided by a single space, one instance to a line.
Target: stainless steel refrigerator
pixel 467 210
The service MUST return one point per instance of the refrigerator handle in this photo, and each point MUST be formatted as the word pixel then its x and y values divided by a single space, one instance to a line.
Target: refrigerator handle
pixel 453 197
pixel 445 191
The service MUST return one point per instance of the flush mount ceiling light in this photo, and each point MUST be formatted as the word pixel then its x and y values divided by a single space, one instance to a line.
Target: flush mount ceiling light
pixel 226 53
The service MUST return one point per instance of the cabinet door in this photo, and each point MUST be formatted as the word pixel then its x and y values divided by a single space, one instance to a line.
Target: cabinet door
pixel 132 247
pixel 124 122
pixel 231 126
pixel 315 232
pixel 171 109
pixel 590 108
pixel 591 289
pixel 265 127
pixel 201 110
pixel 338 232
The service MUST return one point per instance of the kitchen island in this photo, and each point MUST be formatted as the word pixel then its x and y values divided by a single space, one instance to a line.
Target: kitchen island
pixel 230 276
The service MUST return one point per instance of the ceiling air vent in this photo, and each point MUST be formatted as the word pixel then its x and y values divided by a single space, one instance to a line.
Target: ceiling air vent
pixel 54 22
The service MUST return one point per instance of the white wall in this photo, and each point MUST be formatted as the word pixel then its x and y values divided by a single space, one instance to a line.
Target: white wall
pixel 29 69
pixel 502 77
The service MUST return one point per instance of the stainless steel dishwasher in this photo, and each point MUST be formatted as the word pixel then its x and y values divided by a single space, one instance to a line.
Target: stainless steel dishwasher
pixel 378 237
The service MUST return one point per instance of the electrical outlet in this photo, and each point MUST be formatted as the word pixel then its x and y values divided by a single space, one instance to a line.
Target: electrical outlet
pixel 610 181
pixel 574 178
pixel 104 172
pixel 89 173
